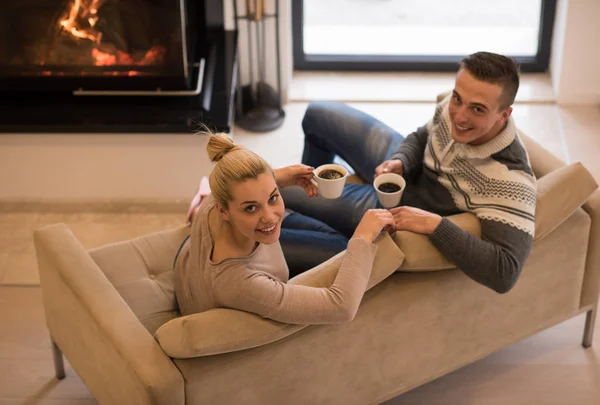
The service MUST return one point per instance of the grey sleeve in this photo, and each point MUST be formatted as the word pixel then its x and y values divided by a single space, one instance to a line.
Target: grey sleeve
pixel 411 151
pixel 495 260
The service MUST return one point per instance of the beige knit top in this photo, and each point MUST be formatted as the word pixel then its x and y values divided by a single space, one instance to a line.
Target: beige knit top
pixel 258 282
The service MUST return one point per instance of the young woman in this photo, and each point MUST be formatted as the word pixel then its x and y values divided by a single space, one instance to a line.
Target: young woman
pixel 233 258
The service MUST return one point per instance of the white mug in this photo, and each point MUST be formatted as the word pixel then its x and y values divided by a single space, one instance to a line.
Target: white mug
pixel 389 200
pixel 330 188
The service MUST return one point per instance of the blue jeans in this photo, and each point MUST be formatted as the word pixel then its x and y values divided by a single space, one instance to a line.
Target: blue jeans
pixel 330 129
pixel 307 242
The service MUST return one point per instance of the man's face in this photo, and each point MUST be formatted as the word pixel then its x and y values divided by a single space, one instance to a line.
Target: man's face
pixel 475 110
pixel 256 209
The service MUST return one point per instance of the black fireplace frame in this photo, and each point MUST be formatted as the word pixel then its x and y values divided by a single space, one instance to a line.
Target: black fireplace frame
pixel 47 109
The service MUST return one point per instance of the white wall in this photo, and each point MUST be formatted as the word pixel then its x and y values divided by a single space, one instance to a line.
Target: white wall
pixel 101 166
pixel 575 60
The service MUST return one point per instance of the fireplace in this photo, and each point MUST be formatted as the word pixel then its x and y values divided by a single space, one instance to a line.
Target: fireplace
pixel 115 65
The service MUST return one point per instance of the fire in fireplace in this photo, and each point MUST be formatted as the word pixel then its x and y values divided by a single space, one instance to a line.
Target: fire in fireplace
pixel 94 39
pixel 135 52
pixel 86 39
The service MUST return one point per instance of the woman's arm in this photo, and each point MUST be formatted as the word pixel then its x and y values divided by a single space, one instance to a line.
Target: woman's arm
pixel 259 293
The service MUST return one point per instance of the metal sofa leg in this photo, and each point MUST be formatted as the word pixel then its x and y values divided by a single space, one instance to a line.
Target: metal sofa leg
pixel 59 365
pixel 588 333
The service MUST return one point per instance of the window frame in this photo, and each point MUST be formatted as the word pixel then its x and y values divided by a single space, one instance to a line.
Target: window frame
pixel 422 63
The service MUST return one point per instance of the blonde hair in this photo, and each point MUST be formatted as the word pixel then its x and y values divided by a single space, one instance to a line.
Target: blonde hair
pixel 234 164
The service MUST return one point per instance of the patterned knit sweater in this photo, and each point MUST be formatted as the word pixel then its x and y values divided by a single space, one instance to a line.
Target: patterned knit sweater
pixel 494 181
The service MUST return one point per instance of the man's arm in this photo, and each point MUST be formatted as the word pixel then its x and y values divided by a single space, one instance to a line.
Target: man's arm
pixel 495 260
pixel 411 151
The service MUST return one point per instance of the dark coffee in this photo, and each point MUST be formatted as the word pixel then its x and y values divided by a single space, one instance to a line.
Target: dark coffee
pixel 389 187
pixel 330 174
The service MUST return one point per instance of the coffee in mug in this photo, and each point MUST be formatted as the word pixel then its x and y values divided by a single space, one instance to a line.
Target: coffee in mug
pixel 330 174
pixel 330 180
pixel 389 187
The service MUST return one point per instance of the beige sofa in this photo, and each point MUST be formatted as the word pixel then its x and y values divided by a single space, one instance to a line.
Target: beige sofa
pixel 103 307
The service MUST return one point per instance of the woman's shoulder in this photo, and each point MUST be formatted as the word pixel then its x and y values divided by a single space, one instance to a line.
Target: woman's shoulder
pixel 200 223
pixel 265 261
pixel 206 205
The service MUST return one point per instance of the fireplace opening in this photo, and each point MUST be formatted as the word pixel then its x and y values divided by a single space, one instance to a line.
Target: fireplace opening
pixel 155 62
pixel 86 40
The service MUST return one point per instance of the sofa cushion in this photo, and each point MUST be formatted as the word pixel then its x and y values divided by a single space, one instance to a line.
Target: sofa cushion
pixel 224 330
pixel 559 194
pixel 141 270
pixel 422 255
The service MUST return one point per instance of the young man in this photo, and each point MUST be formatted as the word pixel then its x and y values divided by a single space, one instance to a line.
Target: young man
pixel 467 158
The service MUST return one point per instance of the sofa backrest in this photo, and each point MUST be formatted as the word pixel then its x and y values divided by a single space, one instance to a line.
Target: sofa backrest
pixel 141 270
pixel 542 160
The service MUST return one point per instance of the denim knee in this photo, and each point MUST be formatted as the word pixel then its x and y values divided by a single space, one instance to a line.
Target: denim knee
pixel 316 112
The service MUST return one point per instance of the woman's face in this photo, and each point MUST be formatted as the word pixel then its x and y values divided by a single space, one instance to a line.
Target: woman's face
pixel 256 209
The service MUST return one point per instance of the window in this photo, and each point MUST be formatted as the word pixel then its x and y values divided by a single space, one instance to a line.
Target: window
pixel 427 35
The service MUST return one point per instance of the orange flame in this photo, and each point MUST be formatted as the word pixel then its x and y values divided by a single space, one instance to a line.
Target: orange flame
pixel 85 12
pixel 153 56
pixel 103 59
pixel 80 21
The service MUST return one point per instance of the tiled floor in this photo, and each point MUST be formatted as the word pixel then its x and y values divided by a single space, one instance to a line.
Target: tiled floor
pixel 398 86
pixel 26 368
pixel 18 265
pixel 548 368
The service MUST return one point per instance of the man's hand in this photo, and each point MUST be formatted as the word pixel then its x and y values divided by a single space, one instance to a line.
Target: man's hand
pixel 296 175
pixel 415 220
pixel 390 166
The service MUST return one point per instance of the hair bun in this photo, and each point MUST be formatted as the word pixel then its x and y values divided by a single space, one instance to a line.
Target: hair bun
pixel 218 146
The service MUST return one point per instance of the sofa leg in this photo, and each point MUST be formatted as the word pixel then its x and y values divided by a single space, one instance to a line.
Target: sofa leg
pixel 588 333
pixel 59 365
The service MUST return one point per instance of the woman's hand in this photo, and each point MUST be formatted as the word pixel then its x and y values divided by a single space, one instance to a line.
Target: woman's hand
pixel 296 175
pixel 372 223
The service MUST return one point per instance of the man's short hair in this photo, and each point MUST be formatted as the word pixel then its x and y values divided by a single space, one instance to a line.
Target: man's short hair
pixel 496 69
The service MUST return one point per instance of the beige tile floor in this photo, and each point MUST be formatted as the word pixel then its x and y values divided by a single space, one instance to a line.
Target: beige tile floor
pixel 17 255
pixel 548 368
pixel 398 86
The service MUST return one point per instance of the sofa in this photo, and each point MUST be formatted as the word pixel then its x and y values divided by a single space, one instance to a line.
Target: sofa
pixel 112 312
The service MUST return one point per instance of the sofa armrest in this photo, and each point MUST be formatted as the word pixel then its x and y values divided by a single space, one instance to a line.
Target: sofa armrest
pixel 591 278
pixel 110 349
